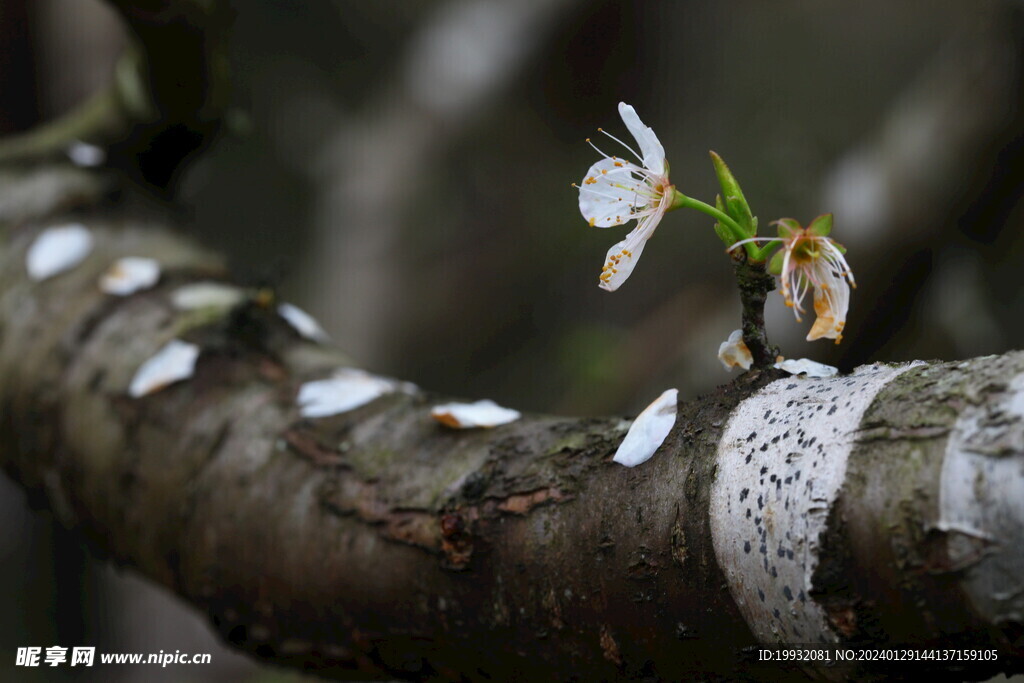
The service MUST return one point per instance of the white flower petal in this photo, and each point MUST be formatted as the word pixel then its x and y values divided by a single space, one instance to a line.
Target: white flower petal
pixel 206 295
pixel 808 367
pixel 831 302
pixel 734 352
pixel 346 389
pixel 303 323
pixel 648 430
pixel 650 147
pixel 85 154
pixel 57 250
pixel 483 413
pixel 174 362
pixel 129 275
pixel 609 193
pixel 621 259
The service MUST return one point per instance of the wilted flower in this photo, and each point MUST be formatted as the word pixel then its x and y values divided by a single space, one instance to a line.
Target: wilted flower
pixel 809 258
pixel 616 191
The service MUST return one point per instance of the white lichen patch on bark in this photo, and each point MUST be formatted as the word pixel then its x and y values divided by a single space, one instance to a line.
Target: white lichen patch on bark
pixel 781 462
pixel 981 503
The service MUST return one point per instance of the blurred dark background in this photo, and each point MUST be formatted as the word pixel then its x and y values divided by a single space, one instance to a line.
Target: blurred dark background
pixel 402 170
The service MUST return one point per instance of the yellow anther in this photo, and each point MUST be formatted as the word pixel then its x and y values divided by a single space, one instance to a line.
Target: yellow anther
pixel 592 222
pixel 590 181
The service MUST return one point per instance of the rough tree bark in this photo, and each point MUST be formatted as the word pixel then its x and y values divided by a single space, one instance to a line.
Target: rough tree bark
pixel 879 507
pixel 883 507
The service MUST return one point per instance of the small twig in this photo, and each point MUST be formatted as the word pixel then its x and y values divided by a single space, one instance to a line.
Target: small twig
pixel 754 282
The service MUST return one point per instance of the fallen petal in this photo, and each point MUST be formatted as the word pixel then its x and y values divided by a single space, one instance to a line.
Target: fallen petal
pixel 485 413
pixel 85 154
pixel 303 323
pixel 206 295
pixel 648 430
pixel 734 352
pixel 346 390
pixel 174 362
pixel 129 275
pixel 808 367
pixel 58 249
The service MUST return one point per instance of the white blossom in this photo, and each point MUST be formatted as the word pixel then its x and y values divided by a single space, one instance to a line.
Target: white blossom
pixel 616 191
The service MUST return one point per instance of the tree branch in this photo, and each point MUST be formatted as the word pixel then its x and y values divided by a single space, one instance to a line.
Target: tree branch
pixel 880 507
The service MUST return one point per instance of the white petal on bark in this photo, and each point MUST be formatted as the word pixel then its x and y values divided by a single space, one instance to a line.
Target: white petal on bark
pixel 347 389
pixel 174 362
pixel 484 413
pixel 129 275
pixel 733 352
pixel 650 147
pixel 611 193
pixel 303 323
pixel 808 367
pixel 981 503
pixel 648 430
pixel 57 250
pixel 85 154
pixel 206 295
pixel 781 463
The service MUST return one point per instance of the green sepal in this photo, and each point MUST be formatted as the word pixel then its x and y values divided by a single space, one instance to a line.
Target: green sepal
pixel 735 203
pixel 841 248
pixel 678 199
pixel 822 225
pixel 788 227
pixel 775 265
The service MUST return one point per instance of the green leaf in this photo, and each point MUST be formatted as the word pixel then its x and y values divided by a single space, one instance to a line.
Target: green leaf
pixel 822 225
pixel 775 265
pixel 736 203
pixel 721 230
pixel 788 227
